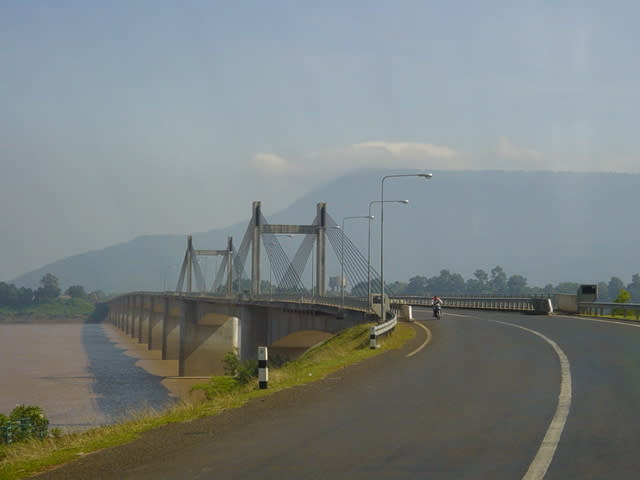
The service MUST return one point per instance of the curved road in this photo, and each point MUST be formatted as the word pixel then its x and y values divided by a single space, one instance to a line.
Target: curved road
pixel 480 401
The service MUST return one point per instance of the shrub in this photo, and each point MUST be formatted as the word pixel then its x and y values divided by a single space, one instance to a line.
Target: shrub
pixel 623 297
pixel 242 371
pixel 25 421
pixel 237 373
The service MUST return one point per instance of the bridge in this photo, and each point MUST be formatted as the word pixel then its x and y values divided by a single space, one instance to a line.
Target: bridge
pixel 198 324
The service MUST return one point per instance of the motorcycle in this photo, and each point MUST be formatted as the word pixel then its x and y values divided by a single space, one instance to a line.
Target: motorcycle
pixel 437 311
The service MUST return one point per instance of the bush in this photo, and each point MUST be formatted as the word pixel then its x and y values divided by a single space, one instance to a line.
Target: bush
pixel 237 373
pixel 25 421
pixel 242 371
pixel 623 297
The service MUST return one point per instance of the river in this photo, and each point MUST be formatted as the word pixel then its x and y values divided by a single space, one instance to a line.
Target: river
pixel 83 374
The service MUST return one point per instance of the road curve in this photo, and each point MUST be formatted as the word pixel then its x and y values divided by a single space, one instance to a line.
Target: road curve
pixel 475 403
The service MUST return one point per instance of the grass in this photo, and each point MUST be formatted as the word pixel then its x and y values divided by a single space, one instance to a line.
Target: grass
pixel 349 347
pixel 628 316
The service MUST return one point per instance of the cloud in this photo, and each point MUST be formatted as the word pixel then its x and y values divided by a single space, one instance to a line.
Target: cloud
pixel 509 150
pixel 505 155
pixel 270 164
pixel 408 149
pixel 371 154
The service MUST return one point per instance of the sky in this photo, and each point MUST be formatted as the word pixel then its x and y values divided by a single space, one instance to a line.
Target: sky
pixel 120 118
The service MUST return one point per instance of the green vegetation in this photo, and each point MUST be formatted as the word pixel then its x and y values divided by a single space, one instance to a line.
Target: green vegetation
pixel 47 300
pixel 351 346
pixel 496 282
pixel 58 307
pixel 24 422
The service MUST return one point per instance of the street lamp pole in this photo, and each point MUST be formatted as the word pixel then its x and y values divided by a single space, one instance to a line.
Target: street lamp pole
pixel 383 312
pixel 342 282
pixel 369 246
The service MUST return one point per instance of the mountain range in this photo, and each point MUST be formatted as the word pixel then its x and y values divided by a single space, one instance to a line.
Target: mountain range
pixel 547 226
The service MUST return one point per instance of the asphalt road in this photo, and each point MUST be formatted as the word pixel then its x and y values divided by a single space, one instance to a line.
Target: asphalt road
pixel 475 403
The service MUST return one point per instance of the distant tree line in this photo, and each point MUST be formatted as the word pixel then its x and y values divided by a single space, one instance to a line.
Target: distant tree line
pixel 49 290
pixel 496 282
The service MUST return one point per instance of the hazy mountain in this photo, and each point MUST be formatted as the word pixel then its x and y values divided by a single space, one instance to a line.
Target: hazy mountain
pixel 548 226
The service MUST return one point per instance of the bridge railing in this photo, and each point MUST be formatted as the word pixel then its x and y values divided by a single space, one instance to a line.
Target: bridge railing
pixel 609 308
pixel 353 303
pixel 479 302
pixel 473 302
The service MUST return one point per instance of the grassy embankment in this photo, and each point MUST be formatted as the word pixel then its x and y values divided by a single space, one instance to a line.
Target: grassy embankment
pixel 55 309
pixel 349 347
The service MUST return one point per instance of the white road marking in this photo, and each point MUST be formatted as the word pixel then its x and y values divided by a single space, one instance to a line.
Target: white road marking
pixel 424 344
pixel 540 464
pixel 609 322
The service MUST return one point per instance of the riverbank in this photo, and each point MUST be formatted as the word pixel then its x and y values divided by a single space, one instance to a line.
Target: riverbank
pixel 42 319
pixel 349 348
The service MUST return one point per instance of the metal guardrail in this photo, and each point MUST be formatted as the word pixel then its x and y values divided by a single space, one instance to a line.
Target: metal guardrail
pixel 517 304
pixel 473 302
pixel 381 329
pixel 352 303
pixel 608 308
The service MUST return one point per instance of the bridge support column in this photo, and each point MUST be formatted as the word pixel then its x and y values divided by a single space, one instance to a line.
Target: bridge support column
pixel 145 313
pixel 131 307
pixel 158 305
pixel 205 338
pixel 139 307
pixel 173 312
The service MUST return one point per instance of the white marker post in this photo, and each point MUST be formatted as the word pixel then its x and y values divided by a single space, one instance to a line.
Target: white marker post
pixel 263 370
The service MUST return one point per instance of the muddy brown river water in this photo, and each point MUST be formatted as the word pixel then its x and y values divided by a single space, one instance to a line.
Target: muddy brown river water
pixel 83 374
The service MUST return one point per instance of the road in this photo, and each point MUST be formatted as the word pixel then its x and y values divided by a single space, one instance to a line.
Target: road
pixel 475 403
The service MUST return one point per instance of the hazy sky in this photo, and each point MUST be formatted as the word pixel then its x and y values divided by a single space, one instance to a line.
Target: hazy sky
pixel 123 118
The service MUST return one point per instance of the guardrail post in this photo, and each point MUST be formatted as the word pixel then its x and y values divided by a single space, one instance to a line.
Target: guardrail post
pixel 372 338
pixel 263 369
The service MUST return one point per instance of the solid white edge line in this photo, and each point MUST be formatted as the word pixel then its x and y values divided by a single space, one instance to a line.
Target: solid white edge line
pixel 425 343
pixel 540 464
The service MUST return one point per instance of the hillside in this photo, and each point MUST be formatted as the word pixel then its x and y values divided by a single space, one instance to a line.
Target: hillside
pixel 548 226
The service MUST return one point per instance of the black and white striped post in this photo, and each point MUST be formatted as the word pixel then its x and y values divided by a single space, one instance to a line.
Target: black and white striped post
pixel 263 370
pixel 373 338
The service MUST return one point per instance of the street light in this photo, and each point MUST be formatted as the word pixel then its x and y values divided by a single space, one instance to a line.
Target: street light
pixel 383 313
pixel 342 282
pixel 406 202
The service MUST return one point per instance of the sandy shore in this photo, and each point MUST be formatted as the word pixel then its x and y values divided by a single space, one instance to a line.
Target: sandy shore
pixel 151 361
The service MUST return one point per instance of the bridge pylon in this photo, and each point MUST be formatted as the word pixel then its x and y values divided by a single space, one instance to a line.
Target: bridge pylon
pixel 318 229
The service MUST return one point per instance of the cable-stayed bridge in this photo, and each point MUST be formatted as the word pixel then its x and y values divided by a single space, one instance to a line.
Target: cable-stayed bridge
pixel 198 324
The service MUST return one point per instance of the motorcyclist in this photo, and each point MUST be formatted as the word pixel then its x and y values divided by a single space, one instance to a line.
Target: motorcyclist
pixel 436 303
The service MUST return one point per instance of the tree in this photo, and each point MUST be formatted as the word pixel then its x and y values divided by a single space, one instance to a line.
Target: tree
pixel 97 296
pixel 25 297
pixel 498 280
pixel 417 285
pixel 8 294
pixel 603 292
pixel 634 287
pixel 615 285
pixel 622 297
pixel 76 291
pixel 49 288
pixel 517 285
